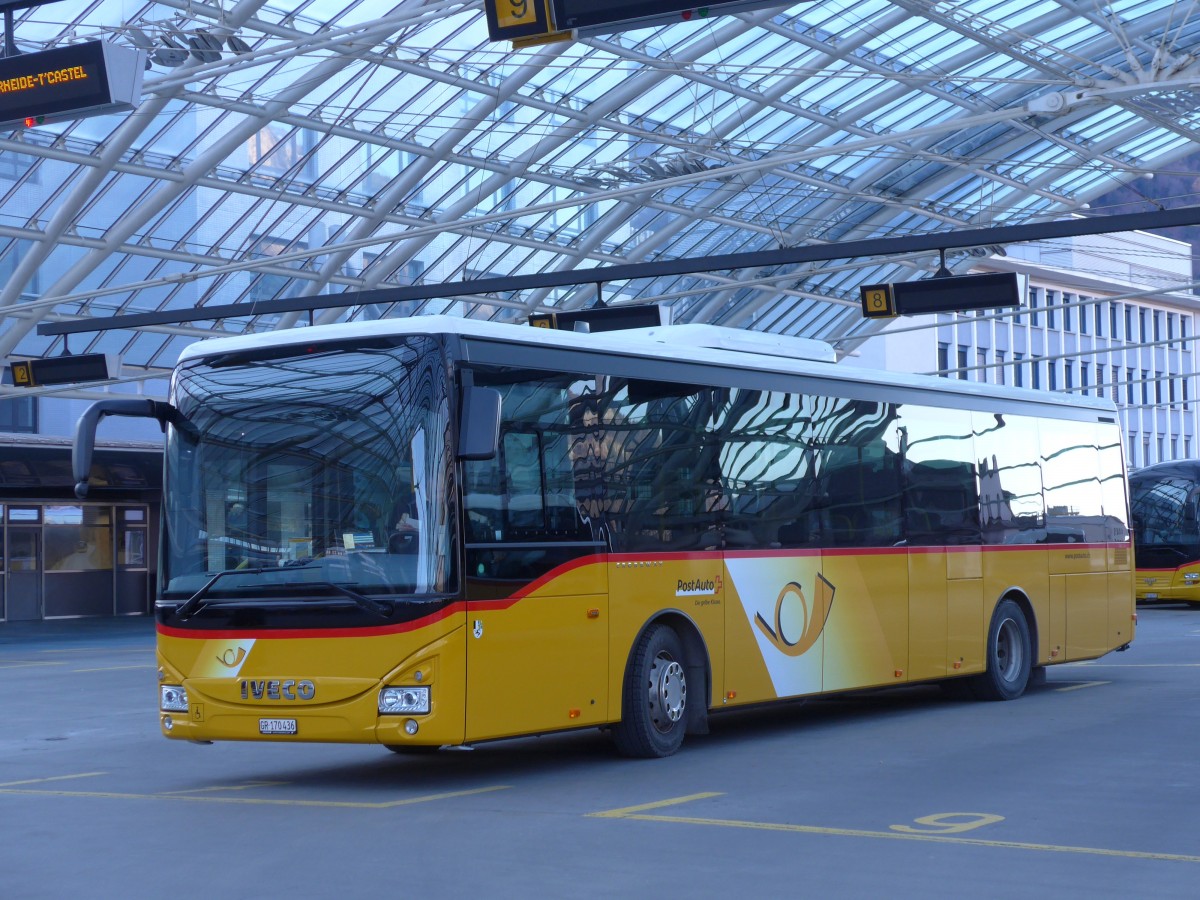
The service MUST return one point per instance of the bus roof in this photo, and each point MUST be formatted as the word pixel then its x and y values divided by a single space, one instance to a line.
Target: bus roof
pixel 705 344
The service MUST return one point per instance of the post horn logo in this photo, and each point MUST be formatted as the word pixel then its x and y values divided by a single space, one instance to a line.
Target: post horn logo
pixel 232 657
pixel 805 620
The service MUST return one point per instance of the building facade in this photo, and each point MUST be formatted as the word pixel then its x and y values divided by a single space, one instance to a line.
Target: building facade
pixel 1106 315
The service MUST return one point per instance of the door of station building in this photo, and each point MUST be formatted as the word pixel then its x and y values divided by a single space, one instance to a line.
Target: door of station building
pixel 23 592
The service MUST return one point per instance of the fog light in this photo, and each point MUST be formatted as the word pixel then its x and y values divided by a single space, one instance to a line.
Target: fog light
pixel 168 723
pixel 172 698
pixel 411 726
pixel 403 701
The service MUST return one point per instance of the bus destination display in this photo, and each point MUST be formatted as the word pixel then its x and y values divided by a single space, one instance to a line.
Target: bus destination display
pixel 75 81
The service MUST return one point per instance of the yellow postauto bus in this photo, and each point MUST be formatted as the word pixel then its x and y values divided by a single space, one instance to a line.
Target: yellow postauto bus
pixel 438 531
pixel 1164 500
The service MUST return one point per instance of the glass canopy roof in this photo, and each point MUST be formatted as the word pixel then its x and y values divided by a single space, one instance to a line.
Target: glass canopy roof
pixel 336 146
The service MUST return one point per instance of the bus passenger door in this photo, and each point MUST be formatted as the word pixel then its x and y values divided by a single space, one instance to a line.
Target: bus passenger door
pixel 537 653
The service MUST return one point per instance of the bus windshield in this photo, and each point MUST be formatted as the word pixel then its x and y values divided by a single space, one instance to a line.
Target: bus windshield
pixel 316 474
pixel 1166 516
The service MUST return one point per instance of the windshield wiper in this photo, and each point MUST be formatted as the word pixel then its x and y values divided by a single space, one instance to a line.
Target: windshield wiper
pixel 189 606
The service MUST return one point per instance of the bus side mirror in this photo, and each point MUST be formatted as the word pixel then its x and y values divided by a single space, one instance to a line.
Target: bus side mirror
pixel 479 425
pixel 85 431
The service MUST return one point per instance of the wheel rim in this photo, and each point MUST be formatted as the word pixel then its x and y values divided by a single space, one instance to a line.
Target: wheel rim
pixel 1010 651
pixel 668 692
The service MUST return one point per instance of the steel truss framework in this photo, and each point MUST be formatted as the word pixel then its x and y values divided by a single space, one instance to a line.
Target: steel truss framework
pixel 286 152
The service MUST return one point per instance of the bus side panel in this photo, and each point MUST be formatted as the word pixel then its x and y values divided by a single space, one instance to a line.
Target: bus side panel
pixel 929 606
pixel 1122 606
pixel 1087 615
pixel 641 587
pixel 538 661
pixel 866 637
pixel 966 626
pixel 777 608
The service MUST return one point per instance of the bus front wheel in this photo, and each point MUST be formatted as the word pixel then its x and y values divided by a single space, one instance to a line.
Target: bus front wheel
pixel 654 701
pixel 1009 655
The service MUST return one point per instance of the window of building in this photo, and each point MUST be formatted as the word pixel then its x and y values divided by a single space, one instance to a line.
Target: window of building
pixel 1158 397
pixel 1000 378
pixel 1067 311
pixel 1128 335
pixel 1183 384
pixel 1158 448
pixel 962 363
pixel 1129 379
pixel 1034 315
pixel 1051 312
pixel 269 285
pixel 981 364
pixel 1157 322
pixel 1035 368
pixel 1052 375
pixel 1098 314
pixel 278 150
pixel 943 358
pixel 1112 320
pixel 1018 369
pixel 1174 446
pixel 1170 326
pixel 1142 325
pixel 1145 386
pixel 1083 378
pixel 1084 315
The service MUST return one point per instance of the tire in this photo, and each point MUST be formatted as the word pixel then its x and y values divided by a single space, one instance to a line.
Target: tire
pixel 654 699
pixel 1009 655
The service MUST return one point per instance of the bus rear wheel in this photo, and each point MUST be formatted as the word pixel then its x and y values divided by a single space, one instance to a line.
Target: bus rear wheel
pixel 654 701
pixel 1009 655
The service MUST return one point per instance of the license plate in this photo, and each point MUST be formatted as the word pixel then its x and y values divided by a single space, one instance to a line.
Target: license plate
pixel 1152 596
pixel 276 726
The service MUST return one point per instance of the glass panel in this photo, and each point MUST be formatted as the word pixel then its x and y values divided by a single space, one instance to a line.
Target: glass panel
pixel 294 470
pixel 1071 477
pixel 132 552
pixel 858 470
pixel 75 548
pixel 767 470
pixel 941 495
pixel 1010 480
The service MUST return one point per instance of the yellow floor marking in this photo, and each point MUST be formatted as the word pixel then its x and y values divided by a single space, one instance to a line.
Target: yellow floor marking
pixel 226 787
pixel 884 835
pixel 112 668
pixel 51 778
pixel 1082 684
pixel 628 811
pixel 253 801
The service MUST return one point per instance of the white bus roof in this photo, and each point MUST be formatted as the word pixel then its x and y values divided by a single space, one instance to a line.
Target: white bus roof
pixel 708 344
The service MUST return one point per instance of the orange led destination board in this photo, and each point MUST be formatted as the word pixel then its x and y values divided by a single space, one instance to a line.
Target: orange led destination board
pixel 71 82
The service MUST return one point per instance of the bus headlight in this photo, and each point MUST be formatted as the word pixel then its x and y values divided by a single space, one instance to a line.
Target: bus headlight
pixel 1191 578
pixel 403 701
pixel 172 698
